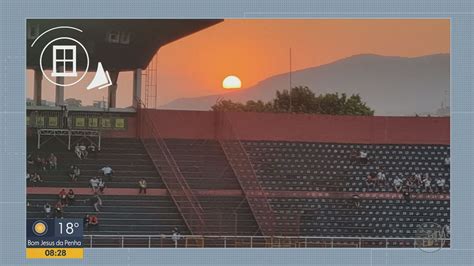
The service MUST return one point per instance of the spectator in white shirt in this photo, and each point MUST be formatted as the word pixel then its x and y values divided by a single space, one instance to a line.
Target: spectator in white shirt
pixel 427 183
pixel 363 157
pixel 83 150
pixel 47 210
pixel 77 150
pixel 381 179
pixel 440 182
pixel 107 171
pixel 94 184
pixel 398 184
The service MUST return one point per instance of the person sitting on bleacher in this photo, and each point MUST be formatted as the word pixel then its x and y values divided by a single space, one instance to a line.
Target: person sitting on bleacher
pixel 356 201
pixel 74 172
pixel 142 186
pixel 363 157
pixel 53 161
pixel 418 179
pixel 85 221
pixel 63 197
pixel 381 179
pixel 398 184
pixel 38 163
pixel 107 171
pixel 440 182
pixel 47 209
pixel 35 177
pixel 427 183
pixel 58 208
pixel 78 152
pixel 446 231
pixel 93 222
pixel 83 149
pixel 92 150
pixel 371 179
pixel 96 202
pixel 447 162
pixel 176 235
pixel 101 185
pixel 94 184
pixel 71 197
pixel 354 157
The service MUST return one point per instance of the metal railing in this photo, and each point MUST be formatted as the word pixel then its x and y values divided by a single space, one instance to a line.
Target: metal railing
pixel 194 241
pixel 243 169
pixel 182 195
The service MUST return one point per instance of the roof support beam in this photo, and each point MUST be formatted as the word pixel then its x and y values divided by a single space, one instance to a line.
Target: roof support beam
pixel 38 79
pixel 112 95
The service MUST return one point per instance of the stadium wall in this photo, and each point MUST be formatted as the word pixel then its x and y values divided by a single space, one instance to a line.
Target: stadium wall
pixel 305 127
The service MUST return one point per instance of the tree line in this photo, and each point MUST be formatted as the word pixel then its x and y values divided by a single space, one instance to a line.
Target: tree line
pixel 301 99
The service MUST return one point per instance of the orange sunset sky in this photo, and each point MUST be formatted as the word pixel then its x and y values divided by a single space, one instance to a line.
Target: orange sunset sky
pixel 255 49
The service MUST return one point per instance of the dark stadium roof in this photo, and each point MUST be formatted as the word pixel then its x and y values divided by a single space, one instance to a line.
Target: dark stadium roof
pixel 120 44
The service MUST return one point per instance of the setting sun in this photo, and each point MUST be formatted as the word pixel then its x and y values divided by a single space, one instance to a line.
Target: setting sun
pixel 231 82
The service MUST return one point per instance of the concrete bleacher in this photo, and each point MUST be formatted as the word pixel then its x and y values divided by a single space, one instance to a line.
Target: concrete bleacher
pixel 204 165
pixel 304 166
pixel 120 214
pixel 374 218
pixel 279 166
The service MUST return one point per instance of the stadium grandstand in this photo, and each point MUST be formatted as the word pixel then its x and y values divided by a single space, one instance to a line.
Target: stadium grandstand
pixel 225 179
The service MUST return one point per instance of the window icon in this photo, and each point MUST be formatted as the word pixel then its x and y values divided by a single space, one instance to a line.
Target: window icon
pixel 64 61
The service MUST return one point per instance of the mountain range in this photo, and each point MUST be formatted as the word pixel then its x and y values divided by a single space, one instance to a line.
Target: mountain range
pixel 391 85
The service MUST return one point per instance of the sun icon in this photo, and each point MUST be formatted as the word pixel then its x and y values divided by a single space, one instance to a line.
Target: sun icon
pixel 40 228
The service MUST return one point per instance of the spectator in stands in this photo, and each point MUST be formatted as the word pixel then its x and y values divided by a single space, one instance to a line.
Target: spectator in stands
pixel 381 179
pixel 36 177
pixel 446 231
pixel 44 164
pixel 96 202
pixel 85 221
pixel 101 185
pixel 176 236
pixel 28 177
pixel 447 162
pixel 74 172
pixel 29 160
pixel 71 197
pixel 59 210
pixel 142 186
pixel 440 182
pixel 427 183
pixel 371 179
pixel 418 179
pixel 107 171
pixel 94 183
pixel 63 197
pixel 38 163
pixel 93 222
pixel 77 150
pixel 398 184
pixel 83 149
pixel 92 150
pixel 354 156
pixel 363 157
pixel 410 183
pixel 356 201
pixel 53 161
pixel 47 210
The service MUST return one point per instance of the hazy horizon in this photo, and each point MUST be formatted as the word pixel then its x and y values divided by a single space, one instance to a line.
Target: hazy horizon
pixel 255 50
